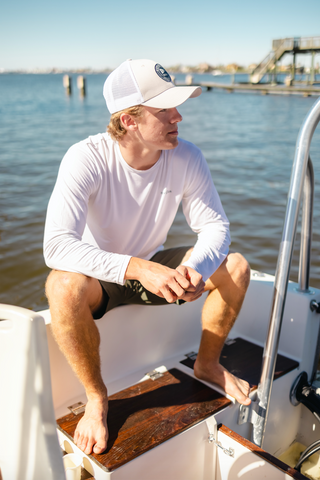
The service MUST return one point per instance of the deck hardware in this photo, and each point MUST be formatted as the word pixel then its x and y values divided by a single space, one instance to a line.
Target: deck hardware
pixel 259 274
pixel 314 306
pixel 191 355
pixel 227 451
pixel 249 413
pixel 154 374
pixel 244 412
pixel 303 392
pixel 213 433
pixel 77 408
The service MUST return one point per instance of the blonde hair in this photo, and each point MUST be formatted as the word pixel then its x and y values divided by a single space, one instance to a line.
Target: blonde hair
pixel 115 128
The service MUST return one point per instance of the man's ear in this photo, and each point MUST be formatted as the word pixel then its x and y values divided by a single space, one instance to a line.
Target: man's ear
pixel 128 121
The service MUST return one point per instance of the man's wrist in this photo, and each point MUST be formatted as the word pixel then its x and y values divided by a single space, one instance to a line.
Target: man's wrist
pixel 134 268
pixel 98 394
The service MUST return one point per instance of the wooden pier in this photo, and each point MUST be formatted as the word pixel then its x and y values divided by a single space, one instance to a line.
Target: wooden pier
pixel 264 89
pixel 281 47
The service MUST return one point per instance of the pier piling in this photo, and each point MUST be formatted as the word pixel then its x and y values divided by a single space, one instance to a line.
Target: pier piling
pixel 81 84
pixel 67 83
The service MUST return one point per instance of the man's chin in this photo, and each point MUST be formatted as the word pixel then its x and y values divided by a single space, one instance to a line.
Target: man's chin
pixel 173 143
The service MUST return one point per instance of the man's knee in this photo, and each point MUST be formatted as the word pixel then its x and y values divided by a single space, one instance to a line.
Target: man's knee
pixel 234 271
pixel 239 269
pixel 72 288
pixel 62 284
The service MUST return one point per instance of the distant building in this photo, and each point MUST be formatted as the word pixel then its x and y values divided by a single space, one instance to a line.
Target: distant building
pixel 284 68
pixel 232 67
pixel 204 68
pixel 186 69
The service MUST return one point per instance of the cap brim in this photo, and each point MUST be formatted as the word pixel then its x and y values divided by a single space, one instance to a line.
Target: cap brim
pixel 173 97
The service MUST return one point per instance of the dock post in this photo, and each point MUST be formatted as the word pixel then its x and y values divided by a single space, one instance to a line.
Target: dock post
pixel 293 67
pixel 67 83
pixel 312 68
pixel 81 84
pixel 189 79
pixel 275 72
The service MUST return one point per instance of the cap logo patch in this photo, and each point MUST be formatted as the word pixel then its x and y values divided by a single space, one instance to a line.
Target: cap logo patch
pixel 162 73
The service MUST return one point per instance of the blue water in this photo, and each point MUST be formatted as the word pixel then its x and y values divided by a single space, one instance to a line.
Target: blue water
pixel 248 140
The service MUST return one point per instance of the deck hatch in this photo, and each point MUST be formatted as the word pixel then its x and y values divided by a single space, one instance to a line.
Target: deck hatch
pixel 149 413
pixel 244 360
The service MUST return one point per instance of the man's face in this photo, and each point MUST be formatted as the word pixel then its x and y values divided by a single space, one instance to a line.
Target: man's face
pixel 158 129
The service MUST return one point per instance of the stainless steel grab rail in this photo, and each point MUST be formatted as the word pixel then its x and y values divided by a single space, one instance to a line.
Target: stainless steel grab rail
pixel 301 178
pixel 306 229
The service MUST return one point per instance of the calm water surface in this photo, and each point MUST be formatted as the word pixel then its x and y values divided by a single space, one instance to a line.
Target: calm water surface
pixel 248 140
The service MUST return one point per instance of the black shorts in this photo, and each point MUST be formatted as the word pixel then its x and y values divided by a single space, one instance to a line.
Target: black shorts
pixel 132 292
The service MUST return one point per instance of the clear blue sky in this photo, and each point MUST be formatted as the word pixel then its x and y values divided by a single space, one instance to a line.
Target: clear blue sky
pixel 103 33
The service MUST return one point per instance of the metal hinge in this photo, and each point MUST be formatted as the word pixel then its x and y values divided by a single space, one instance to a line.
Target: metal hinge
pixel 154 374
pixel 191 355
pixel 248 413
pixel 213 433
pixel 227 451
pixel 77 408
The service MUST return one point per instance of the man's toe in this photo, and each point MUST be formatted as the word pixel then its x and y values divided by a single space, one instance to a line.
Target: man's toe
pixel 88 448
pixel 99 448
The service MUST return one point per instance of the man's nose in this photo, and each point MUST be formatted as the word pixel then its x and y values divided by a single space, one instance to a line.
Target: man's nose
pixel 175 117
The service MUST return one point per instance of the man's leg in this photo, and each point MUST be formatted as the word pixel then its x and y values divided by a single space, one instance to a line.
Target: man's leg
pixel 72 299
pixel 227 288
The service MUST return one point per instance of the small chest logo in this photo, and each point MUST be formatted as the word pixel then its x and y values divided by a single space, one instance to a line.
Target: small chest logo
pixel 162 73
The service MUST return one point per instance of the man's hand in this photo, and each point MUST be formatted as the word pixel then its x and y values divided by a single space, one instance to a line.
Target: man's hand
pixel 172 284
pixel 163 281
pixel 196 288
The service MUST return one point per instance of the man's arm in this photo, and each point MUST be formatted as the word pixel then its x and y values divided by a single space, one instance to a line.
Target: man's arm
pixel 64 246
pixel 206 217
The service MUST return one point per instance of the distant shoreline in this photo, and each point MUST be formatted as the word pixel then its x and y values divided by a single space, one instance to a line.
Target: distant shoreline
pixel 107 72
pixel 173 70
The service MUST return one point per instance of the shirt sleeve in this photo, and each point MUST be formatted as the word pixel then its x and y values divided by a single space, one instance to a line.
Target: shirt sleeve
pixel 205 215
pixel 64 249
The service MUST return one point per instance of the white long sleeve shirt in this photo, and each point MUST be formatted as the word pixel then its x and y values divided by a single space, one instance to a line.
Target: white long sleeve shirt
pixel 102 211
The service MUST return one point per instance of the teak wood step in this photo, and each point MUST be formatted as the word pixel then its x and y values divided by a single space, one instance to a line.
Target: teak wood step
pixel 244 360
pixel 149 413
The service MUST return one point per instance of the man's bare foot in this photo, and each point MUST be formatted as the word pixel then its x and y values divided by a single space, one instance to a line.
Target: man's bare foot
pixel 91 434
pixel 234 386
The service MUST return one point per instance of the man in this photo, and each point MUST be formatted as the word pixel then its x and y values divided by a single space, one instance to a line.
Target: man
pixel 115 199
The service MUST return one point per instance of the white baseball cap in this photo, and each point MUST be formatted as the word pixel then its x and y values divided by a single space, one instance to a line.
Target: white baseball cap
pixel 144 82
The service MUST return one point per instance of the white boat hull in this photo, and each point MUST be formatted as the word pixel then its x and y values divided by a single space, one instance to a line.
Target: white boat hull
pixel 138 339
